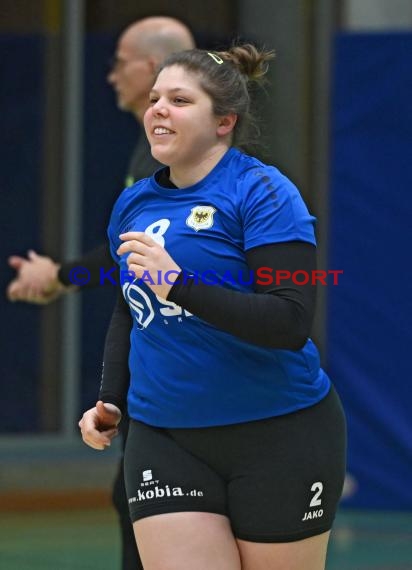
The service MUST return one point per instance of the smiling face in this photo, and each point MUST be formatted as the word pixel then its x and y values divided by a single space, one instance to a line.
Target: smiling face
pixel 180 124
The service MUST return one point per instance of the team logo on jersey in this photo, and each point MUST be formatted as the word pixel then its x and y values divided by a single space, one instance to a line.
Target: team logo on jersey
pixel 201 218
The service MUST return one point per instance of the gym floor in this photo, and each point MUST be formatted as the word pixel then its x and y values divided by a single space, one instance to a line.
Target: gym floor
pixel 88 539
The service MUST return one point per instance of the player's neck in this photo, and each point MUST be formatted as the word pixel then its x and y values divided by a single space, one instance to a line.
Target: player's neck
pixel 184 175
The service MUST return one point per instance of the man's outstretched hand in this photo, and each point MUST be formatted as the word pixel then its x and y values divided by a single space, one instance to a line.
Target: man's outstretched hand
pixel 36 279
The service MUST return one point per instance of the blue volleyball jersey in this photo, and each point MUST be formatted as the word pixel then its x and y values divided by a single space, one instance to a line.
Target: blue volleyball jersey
pixel 184 371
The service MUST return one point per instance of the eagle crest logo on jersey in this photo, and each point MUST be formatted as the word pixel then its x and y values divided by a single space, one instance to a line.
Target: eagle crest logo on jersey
pixel 201 218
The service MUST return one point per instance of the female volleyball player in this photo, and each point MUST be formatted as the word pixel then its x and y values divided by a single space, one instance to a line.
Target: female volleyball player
pixel 235 457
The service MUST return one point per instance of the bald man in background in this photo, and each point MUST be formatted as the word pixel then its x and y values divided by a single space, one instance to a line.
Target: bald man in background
pixel 141 48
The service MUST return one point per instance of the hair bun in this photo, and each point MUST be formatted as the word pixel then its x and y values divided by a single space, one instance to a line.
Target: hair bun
pixel 249 60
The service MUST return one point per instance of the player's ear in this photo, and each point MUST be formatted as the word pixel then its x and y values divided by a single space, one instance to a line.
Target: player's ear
pixel 226 124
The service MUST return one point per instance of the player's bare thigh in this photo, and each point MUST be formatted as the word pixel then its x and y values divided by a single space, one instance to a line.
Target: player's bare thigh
pixel 306 554
pixel 187 541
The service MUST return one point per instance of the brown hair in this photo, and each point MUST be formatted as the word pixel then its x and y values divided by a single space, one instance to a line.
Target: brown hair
pixel 227 77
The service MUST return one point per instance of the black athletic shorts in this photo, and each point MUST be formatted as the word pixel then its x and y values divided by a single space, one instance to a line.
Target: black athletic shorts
pixel 277 480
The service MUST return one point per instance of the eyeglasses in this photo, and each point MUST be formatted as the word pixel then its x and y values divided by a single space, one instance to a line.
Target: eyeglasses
pixel 115 63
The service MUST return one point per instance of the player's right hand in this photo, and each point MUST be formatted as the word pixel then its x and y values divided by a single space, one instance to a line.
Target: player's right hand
pixel 98 425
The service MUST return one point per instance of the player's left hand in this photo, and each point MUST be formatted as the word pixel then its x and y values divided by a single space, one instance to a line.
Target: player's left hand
pixel 149 260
